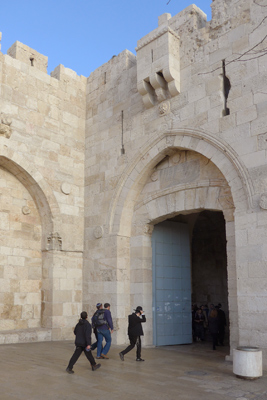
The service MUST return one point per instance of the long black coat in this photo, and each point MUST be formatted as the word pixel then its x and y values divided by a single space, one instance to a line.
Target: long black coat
pixel 135 325
pixel 83 331
pixel 213 325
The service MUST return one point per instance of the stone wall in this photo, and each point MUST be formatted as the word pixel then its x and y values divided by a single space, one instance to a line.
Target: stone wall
pixel 169 106
pixel 42 152
pixel 104 159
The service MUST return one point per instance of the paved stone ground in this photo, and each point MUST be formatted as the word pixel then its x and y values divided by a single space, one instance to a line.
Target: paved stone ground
pixel 36 371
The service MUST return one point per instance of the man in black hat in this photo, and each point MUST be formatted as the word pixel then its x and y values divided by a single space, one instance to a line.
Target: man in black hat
pixel 135 331
pixel 83 331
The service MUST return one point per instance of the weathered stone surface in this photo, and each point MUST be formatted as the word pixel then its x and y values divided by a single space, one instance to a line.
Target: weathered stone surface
pixel 78 208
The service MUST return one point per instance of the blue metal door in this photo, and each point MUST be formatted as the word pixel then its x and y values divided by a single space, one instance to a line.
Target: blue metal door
pixel 171 262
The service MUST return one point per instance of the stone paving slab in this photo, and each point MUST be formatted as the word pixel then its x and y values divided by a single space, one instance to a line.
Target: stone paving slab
pixel 36 371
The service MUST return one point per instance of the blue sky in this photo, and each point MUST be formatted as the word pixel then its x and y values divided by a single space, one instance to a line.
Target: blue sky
pixel 83 34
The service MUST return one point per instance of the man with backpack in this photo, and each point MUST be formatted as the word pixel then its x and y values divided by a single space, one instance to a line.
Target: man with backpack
pixel 94 320
pixel 82 332
pixel 102 322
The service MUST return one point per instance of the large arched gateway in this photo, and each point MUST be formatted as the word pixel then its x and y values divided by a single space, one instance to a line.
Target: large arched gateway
pixel 165 198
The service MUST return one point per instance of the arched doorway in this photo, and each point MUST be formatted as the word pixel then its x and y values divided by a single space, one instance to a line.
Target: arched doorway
pixel 187 190
pixel 137 206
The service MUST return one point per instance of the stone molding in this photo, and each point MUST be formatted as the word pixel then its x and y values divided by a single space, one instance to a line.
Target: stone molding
pixel 157 34
pixel 219 152
pixel 178 188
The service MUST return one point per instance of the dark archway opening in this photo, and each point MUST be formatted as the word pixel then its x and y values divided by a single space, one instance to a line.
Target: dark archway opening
pixel 208 261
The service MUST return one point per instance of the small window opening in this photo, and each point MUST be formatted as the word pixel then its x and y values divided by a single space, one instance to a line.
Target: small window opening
pixel 32 61
pixel 152 55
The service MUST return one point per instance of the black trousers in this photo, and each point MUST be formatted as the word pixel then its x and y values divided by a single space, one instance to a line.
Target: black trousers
pixel 78 351
pixel 134 340
pixel 214 340
pixel 94 345
pixel 221 334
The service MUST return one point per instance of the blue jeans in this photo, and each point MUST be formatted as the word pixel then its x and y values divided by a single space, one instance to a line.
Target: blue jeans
pixel 103 333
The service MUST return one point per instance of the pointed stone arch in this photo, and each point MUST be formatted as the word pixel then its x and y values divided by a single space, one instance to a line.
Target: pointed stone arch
pixel 134 177
pixel 26 172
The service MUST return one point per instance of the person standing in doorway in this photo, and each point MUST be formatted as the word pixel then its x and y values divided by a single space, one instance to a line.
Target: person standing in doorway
pixel 221 324
pixel 82 331
pixel 104 331
pixel 135 331
pixel 214 327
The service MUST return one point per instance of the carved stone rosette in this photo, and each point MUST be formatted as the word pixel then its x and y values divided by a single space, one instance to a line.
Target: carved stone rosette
pixel 98 232
pixel 54 241
pixel 164 108
pixel 263 201
pixel 5 128
pixel 26 210
pixel 155 176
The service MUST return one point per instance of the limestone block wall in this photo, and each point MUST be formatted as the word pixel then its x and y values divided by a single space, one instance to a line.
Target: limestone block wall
pixel 42 144
pixel 196 119
pixel 21 257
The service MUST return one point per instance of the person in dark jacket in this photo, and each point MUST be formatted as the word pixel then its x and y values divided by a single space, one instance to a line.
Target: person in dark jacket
pixel 214 327
pixel 104 331
pixel 222 324
pixel 82 331
pixel 199 325
pixel 135 331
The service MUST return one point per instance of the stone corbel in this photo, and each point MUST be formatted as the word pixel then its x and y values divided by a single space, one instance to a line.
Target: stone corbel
pixel 172 77
pixel 5 128
pixel 160 86
pixel 54 241
pixel 147 92
pixel 148 229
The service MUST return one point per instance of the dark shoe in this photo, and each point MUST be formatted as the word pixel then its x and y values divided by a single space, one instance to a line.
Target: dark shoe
pixel 96 366
pixel 121 356
pixel 69 371
pixel 104 356
pixel 139 359
pixel 100 358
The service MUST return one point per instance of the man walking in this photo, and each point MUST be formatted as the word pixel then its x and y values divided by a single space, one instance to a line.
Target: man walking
pixel 135 331
pixel 104 330
pixel 83 332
